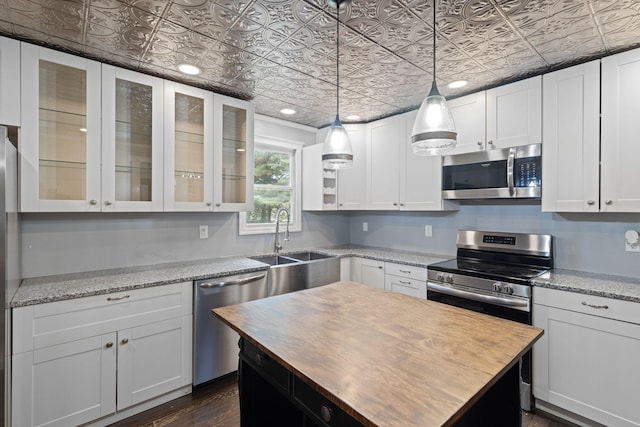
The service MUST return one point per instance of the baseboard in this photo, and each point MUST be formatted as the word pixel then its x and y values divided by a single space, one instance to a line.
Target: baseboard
pixel 141 407
pixel 562 414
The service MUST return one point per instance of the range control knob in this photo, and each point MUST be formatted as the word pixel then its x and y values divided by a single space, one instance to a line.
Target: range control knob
pixel 449 278
pixel 440 277
pixel 497 286
pixel 507 289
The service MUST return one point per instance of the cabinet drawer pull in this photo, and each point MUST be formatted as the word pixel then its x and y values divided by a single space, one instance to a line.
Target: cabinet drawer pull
pixel 118 298
pixel 380 267
pixel 404 283
pixel 125 340
pixel 109 345
pixel 325 414
pixel 405 271
pixel 595 306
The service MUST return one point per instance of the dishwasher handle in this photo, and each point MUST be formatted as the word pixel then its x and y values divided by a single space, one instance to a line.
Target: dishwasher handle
pixel 243 281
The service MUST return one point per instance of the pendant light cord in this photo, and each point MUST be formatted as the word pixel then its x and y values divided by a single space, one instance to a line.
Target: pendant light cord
pixel 434 40
pixel 337 58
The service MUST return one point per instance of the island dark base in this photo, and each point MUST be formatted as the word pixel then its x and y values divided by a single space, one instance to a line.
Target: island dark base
pixel 271 395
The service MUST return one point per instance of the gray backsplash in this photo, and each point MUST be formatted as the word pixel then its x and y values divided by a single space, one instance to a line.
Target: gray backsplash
pixel 63 243
pixel 584 242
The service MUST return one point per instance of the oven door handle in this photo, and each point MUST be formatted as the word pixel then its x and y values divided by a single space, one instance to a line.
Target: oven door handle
pixel 505 302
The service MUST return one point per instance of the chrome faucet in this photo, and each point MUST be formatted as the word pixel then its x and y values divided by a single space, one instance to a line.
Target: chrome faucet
pixel 277 246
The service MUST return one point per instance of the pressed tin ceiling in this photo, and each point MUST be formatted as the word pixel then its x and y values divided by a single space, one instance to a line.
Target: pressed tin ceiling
pixel 281 53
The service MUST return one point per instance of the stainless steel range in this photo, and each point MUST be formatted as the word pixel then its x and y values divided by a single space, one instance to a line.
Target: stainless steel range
pixel 492 274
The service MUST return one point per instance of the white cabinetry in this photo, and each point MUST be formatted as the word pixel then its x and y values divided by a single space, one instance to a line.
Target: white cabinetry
pixel 132 141
pixel 368 272
pixel 469 115
pixel 233 159
pixel 79 360
pixel 352 182
pixel 571 133
pixel 405 279
pixel 320 186
pixel 60 136
pixel 9 82
pixel 620 150
pixel 514 114
pixel 188 148
pixel 586 361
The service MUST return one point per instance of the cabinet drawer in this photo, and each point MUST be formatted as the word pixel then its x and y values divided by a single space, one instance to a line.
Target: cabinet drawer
pixel 411 287
pixel 43 325
pixel 610 308
pixel 271 370
pixel 324 412
pixel 409 271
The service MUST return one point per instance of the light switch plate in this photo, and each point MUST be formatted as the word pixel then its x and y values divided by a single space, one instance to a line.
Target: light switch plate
pixel 365 226
pixel 204 231
pixel 632 241
pixel 428 231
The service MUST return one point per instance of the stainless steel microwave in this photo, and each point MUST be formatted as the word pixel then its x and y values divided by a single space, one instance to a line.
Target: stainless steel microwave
pixel 507 173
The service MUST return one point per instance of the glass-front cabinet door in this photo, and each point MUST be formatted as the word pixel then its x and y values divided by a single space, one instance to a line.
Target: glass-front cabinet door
pixel 233 154
pixel 188 148
pixel 132 169
pixel 60 134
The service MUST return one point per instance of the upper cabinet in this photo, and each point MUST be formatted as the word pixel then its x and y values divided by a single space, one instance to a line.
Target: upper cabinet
pixel 233 154
pixel 620 150
pixel 514 114
pixel 131 141
pixel 469 116
pixel 60 136
pixel 188 148
pixel 9 82
pixel 320 185
pixel 352 182
pixel 571 133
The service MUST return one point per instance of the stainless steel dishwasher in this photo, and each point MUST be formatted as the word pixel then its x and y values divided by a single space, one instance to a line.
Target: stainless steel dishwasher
pixel 215 344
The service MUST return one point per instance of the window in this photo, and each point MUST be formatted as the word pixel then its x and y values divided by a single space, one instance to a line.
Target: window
pixel 276 185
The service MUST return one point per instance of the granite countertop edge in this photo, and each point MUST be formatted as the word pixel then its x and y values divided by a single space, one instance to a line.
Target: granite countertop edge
pixel 62 287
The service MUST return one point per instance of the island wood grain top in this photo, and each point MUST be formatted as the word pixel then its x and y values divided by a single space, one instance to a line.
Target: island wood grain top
pixel 385 358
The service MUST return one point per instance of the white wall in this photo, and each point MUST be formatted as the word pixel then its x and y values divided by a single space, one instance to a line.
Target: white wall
pixel 584 242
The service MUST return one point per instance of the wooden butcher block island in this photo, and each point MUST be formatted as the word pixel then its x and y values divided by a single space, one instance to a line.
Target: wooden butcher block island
pixel 349 354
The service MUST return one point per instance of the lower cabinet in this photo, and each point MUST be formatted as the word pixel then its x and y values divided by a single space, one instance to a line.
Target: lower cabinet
pixel 586 362
pixel 368 272
pixel 80 360
pixel 406 279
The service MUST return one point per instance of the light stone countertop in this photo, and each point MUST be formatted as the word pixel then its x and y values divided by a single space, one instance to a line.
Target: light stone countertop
pixel 76 285
pixel 604 285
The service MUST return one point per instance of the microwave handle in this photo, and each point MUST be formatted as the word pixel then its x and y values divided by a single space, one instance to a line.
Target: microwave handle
pixel 510 173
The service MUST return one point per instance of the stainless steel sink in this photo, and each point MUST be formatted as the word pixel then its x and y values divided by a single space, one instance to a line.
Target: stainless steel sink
pixel 301 270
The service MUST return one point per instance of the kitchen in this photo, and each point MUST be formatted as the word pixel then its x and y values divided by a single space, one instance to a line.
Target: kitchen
pixel 67 242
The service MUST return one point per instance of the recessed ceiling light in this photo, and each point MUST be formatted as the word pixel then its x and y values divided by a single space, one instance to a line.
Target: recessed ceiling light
pixel 288 111
pixel 457 84
pixel 192 70
pixel 353 117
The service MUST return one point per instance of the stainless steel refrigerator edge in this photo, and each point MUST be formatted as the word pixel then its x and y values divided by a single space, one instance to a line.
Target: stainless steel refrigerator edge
pixel 10 259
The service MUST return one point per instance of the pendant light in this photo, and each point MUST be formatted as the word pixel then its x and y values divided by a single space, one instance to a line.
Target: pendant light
pixel 434 131
pixel 337 152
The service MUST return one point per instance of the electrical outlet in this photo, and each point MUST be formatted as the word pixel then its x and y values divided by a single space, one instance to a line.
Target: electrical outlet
pixel 632 241
pixel 204 231
pixel 428 231
pixel 365 226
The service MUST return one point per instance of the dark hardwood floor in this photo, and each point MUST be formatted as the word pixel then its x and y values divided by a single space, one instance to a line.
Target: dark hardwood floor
pixel 216 404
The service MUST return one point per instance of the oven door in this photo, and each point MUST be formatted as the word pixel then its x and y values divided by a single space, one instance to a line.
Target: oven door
pixel 505 307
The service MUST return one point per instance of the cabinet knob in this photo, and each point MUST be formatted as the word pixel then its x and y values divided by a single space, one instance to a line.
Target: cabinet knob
pixel 208 203
pixel 341 204
pixel 490 142
pixel 608 202
pixel 590 202
pixel 380 267
pixel 124 340
pixel 325 414
pixel 395 204
pixel 109 344
pixel 218 205
pixel 401 204
pixel 93 202
pixel 107 203
pixel 479 143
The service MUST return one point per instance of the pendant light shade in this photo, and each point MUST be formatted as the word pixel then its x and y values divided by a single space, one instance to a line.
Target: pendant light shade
pixel 434 131
pixel 337 152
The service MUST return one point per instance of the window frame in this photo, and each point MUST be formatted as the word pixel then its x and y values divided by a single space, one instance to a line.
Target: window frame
pixel 295 150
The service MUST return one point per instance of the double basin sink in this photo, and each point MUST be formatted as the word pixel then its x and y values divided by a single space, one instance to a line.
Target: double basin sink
pixel 300 270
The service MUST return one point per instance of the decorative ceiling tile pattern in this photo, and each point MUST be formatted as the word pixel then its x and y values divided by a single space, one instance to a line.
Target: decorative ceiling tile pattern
pixel 281 53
